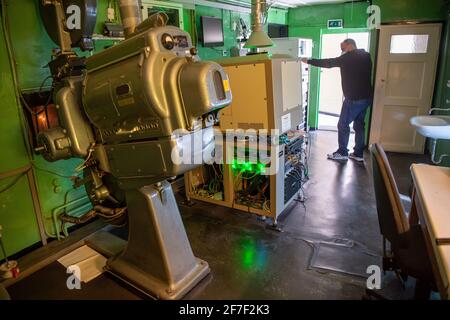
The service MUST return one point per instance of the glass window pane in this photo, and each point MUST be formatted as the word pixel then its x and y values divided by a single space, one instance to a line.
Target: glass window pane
pixel 409 43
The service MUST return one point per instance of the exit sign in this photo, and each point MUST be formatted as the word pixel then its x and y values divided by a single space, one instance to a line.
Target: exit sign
pixel 336 24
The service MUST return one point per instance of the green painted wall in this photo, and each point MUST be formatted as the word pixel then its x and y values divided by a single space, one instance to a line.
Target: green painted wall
pixel 442 97
pixel 31 49
pixel 16 207
pixel 228 18
pixel 417 10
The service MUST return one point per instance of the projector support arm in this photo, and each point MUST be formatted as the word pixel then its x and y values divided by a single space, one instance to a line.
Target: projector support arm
pixel 158 259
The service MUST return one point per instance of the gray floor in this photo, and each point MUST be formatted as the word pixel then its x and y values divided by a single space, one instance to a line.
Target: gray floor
pixel 328 122
pixel 251 261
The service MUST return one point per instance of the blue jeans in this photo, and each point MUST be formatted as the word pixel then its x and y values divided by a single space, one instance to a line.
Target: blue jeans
pixel 353 111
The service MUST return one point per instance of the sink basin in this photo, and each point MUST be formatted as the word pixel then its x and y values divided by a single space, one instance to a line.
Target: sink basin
pixel 434 127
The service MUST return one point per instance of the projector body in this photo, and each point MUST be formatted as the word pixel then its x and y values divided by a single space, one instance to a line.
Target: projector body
pixel 132 112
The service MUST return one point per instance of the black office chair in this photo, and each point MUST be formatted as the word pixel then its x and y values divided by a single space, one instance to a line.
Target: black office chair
pixel 3 293
pixel 408 254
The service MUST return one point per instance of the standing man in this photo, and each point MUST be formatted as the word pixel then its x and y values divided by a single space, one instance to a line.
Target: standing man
pixel 356 73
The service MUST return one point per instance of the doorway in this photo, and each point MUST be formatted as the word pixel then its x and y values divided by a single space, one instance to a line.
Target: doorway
pixel 330 90
pixel 404 85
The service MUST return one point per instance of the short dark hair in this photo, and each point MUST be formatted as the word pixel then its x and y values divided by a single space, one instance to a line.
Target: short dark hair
pixel 351 41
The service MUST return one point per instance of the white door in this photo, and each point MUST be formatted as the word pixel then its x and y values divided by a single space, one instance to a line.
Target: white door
pixel 330 94
pixel 404 85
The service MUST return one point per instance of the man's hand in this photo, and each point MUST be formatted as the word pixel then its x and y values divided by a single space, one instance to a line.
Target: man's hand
pixel 305 60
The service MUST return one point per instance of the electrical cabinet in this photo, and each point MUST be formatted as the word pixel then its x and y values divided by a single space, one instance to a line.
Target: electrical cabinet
pixel 294 47
pixel 298 48
pixel 267 93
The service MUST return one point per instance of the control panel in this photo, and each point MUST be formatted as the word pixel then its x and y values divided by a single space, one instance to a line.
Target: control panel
pixel 178 43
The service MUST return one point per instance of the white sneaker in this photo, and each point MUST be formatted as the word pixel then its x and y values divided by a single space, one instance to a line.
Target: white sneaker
pixel 336 156
pixel 356 158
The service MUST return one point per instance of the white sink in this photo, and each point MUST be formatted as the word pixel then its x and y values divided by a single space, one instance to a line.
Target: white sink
pixel 434 127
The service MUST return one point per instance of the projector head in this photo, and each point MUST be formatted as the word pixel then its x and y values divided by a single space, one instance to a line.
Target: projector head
pixel 150 85
pixel 136 105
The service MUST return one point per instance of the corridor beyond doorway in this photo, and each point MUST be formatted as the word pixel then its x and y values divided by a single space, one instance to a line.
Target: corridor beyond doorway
pixel 330 89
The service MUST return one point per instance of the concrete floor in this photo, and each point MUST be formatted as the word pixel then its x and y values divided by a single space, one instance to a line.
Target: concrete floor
pixel 251 261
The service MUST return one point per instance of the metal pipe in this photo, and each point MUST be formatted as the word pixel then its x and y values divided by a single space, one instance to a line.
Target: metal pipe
pixel 37 205
pixel 65 218
pixel 65 205
pixel 258 14
pixel 437 109
pixel 15 172
pixel 130 14
pixel 258 38
pixel 434 142
pixel 433 154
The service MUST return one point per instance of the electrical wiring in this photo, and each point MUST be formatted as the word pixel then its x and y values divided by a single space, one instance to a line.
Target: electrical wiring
pixel 55 173
pixel 237 180
pixel 42 84
pixel 85 164
pixel 252 193
pixel 266 205
pixel 215 171
pixel 212 187
pixel 252 177
pixel 13 182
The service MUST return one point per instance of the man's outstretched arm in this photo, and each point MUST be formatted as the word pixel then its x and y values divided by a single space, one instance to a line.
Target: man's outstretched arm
pixel 324 63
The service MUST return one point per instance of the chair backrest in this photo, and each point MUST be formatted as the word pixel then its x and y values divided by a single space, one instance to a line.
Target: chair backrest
pixel 391 213
pixel 3 293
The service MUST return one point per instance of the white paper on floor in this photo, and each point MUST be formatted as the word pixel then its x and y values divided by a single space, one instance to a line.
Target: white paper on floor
pixel 89 261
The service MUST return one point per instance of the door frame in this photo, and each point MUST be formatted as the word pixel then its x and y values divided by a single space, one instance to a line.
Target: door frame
pixel 340 31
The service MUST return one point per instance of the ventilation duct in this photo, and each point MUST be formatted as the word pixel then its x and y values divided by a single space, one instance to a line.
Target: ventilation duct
pixel 130 13
pixel 258 38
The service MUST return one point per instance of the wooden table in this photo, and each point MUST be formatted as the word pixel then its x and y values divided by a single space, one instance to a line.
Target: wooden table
pixel 431 206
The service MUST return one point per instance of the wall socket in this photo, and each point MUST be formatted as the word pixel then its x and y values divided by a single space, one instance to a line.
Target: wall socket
pixel 224 53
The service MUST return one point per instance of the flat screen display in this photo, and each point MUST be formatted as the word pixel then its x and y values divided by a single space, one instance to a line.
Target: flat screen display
pixel 212 32
pixel 277 30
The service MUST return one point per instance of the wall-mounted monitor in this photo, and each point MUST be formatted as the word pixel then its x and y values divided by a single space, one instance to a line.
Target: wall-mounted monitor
pixel 277 30
pixel 212 32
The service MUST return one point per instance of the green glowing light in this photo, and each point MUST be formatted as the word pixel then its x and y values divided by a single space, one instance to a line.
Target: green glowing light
pixel 261 168
pixel 253 256
pixel 248 166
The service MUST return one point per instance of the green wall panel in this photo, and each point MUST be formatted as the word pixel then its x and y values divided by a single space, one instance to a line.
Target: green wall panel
pixel 32 46
pixel 228 18
pixel 421 10
pixel 16 207
pixel 354 15
pixel 14 154
pixel 55 189
pixel 442 97
pixel 17 216
pixel 32 51
pixel 277 16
